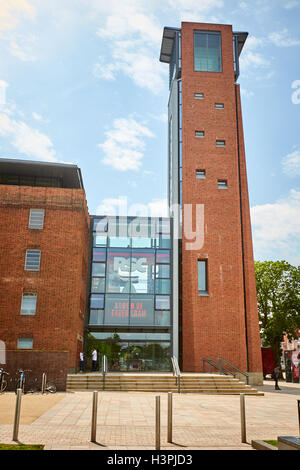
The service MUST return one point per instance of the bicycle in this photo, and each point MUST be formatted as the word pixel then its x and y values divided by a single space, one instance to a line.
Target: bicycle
pixel 49 387
pixel 3 382
pixel 21 380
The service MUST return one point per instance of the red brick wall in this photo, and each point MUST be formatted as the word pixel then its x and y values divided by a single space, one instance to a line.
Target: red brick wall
pixel 214 326
pixel 61 281
pixel 53 363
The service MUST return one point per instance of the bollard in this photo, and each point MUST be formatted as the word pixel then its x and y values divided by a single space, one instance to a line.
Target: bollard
pixel 44 381
pixel 94 416
pixel 299 415
pixel 170 416
pixel 243 418
pixel 157 423
pixel 17 415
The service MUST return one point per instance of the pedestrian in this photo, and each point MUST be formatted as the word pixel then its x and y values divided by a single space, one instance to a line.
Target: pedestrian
pixel 81 361
pixel 275 376
pixel 94 360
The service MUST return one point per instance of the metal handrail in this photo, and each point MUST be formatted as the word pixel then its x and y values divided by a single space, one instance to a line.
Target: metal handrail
pixel 176 371
pixel 223 370
pixel 221 360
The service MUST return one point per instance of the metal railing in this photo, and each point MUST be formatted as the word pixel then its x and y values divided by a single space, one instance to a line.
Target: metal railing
pixel 222 369
pixel 104 369
pixel 176 371
pixel 228 371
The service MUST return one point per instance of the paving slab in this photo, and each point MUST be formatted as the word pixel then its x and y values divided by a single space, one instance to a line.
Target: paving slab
pixel 126 420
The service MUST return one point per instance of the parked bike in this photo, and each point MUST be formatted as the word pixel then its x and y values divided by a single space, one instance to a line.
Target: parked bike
pixel 3 382
pixel 21 380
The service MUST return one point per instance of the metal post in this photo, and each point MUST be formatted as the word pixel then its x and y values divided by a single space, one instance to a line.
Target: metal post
pixel 44 381
pixel 299 415
pixel 243 418
pixel 157 423
pixel 170 416
pixel 17 415
pixel 94 416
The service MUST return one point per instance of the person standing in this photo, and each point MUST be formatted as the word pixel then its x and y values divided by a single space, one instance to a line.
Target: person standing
pixel 275 376
pixel 81 361
pixel 94 360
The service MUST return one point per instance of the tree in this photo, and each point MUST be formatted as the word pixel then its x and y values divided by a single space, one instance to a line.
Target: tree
pixel 278 297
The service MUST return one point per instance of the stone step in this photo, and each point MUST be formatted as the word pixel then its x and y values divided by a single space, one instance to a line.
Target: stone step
pixel 212 384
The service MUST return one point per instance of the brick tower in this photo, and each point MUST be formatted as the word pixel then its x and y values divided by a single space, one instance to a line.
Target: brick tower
pixel 214 305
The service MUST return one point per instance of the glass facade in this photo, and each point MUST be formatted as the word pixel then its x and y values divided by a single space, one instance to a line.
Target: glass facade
pixel 130 290
pixel 207 51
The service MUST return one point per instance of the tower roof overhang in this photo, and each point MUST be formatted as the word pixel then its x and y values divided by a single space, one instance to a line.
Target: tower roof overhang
pixel 167 44
pixel 169 38
pixel 241 39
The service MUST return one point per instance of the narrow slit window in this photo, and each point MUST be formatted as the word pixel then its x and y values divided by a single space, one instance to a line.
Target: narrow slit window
pixel 199 134
pixel 201 174
pixel 222 184
pixel 221 143
pixel 202 277
pixel 219 105
pixel 199 96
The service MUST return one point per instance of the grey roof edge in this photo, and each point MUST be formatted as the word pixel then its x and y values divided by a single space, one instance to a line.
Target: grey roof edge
pixel 166 36
pixel 242 37
pixel 37 162
pixel 66 167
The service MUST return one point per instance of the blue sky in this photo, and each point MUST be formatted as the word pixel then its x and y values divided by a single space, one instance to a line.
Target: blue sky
pixel 81 82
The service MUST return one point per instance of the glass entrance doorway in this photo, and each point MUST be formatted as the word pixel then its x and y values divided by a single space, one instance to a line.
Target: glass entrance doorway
pixel 131 355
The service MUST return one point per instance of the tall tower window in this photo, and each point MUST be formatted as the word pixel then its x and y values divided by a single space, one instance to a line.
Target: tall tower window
pixel 207 51
pixel 202 277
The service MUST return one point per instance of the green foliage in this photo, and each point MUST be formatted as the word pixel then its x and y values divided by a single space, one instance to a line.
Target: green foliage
pixel 278 296
pixel 21 447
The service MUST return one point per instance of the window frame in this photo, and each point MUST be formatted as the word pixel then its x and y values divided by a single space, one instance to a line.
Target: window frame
pixel 36 226
pixel 26 267
pixel 200 174
pixel 202 292
pixel 28 294
pixel 208 33
pixel 222 186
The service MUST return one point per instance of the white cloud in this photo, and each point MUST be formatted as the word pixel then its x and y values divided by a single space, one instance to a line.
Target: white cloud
pixel 26 140
pixel 133 36
pixel 283 39
pixel 291 4
pixel 276 229
pixel 246 93
pixel 120 207
pixel 124 144
pixel 37 116
pixel 195 10
pixel 291 164
pixel 11 11
pixel 21 46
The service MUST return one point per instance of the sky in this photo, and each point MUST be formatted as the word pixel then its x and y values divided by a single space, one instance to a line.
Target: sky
pixel 81 83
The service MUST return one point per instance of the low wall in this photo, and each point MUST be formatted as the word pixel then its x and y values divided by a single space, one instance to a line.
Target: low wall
pixel 53 363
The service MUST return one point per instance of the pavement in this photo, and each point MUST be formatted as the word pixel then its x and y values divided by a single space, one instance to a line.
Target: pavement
pixel 126 420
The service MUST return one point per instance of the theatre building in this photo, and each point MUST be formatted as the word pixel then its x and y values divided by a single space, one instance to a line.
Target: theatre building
pixel 141 290
pixel 130 301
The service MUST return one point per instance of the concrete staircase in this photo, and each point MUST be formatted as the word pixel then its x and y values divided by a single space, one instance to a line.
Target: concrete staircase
pixel 189 383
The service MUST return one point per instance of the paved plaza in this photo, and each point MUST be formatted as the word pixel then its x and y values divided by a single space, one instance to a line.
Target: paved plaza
pixel 126 420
